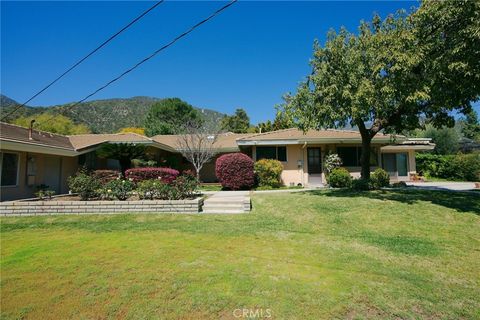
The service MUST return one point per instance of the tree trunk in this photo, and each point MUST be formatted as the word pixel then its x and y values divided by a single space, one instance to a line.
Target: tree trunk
pixel 125 164
pixel 365 157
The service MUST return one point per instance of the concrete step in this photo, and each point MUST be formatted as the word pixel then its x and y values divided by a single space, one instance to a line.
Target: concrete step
pixel 223 205
pixel 223 211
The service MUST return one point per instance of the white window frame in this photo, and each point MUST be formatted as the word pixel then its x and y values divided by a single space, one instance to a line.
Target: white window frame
pixel 18 169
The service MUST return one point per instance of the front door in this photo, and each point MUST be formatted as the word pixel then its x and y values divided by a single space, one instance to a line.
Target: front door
pixel 52 167
pixel 314 160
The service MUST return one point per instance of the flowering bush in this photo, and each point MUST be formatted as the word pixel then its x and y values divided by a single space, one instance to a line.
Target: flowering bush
pixel 235 171
pixel 117 189
pixel 183 187
pixel 339 178
pixel 186 184
pixel 332 161
pixel 105 176
pixel 268 173
pixel 166 175
pixel 84 184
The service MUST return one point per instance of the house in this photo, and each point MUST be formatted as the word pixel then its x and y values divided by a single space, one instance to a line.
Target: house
pixel 30 158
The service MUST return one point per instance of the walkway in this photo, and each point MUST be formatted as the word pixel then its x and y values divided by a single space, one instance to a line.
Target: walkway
pixel 447 185
pixel 228 202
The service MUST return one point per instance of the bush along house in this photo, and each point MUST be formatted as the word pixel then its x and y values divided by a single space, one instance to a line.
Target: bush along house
pixel 30 158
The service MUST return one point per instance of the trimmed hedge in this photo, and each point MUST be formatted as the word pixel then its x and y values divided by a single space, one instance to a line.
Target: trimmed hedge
pixel 339 178
pixel 166 175
pixel 105 176
pixel 464 167
pixel 268 173
pixel 235 171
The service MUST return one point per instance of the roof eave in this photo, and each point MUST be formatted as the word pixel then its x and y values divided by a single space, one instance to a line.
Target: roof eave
pixel 24 146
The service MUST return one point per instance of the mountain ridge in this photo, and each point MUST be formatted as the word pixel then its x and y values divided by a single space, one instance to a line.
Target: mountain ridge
pixel 103 115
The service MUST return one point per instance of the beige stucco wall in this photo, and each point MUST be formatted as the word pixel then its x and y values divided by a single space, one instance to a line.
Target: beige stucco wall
pixel 68 166
pixel 293 174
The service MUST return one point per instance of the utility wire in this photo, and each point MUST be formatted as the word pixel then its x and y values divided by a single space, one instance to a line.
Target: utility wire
pixel 218 11
pixel 84 58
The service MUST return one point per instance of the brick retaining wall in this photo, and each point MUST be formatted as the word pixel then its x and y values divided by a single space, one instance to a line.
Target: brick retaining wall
pixel 34 208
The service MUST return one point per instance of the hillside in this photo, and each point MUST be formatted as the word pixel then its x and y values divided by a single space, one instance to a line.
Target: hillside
pixel 103 116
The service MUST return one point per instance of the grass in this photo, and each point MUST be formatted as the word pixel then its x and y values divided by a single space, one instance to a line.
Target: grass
pixel 399 254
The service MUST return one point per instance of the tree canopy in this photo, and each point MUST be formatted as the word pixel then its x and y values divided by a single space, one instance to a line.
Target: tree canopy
pixel 471 126
pixel 132 130
pixel 169 116
pixel 237 123
pixel 58 124
pixel 391 72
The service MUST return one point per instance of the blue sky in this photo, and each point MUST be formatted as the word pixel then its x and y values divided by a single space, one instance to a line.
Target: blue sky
pixel 247 57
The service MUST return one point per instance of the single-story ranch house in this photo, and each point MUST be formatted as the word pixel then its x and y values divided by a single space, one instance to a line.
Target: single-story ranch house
pixel 30 158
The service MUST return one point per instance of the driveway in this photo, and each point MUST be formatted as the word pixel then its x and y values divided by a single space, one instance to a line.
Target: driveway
pixel 454 186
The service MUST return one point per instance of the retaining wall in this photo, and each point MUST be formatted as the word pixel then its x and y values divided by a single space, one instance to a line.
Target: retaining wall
pixel 34 208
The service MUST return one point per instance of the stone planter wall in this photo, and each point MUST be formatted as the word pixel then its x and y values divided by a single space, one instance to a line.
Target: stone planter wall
pixel 34 208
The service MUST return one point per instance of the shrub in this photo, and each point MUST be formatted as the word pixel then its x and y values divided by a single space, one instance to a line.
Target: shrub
pixel 148 189
pixel 183 187
pixel 117 189
pixel 84 184
pixel 339 178
pixel 186 184
pixel 268 172
pixel 235 171
pixel 166 175
pixel 464 167
pixel 105 176
pixel 399 184
pixel 44 194
pixel 379 179
pixel 332 161
pixel 361 184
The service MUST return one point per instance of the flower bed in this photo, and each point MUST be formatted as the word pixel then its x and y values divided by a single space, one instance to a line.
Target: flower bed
pixel 59 207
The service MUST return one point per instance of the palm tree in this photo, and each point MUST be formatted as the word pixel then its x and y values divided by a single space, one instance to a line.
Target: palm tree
pixel 123 152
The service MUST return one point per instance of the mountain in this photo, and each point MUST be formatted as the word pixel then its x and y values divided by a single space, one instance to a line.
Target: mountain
pixel 103 116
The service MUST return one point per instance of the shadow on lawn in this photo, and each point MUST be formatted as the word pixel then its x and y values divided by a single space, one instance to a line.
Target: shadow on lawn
pixel 460 201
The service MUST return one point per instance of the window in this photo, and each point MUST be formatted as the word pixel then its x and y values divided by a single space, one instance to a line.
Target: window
pixel 9 165
pixel 351 156
pixel 277 153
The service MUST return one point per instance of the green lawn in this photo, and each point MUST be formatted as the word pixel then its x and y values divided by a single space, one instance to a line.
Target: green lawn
pixel 406 254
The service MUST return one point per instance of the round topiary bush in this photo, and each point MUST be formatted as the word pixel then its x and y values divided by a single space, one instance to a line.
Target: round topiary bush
pixel 379 179
pixel 269 172
pixel 235 171
pixel 339 178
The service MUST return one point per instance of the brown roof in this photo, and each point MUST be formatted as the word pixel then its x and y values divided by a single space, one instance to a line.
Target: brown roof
pixel 82 141
pixel 20 134
pixel 296 134
pixel 227 141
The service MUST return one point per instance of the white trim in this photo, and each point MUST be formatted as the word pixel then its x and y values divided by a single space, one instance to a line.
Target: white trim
pixel 18 169
pixel 266 142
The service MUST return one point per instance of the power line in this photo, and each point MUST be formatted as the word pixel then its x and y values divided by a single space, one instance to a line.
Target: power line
pixel 218 11
pixel 85 58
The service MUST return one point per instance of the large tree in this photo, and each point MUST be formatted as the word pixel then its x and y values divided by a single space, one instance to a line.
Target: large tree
pixel 53 123
pixel 392 72
pixel 237 123
pixel 169 116
pixel 471 126
pixel 197 145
